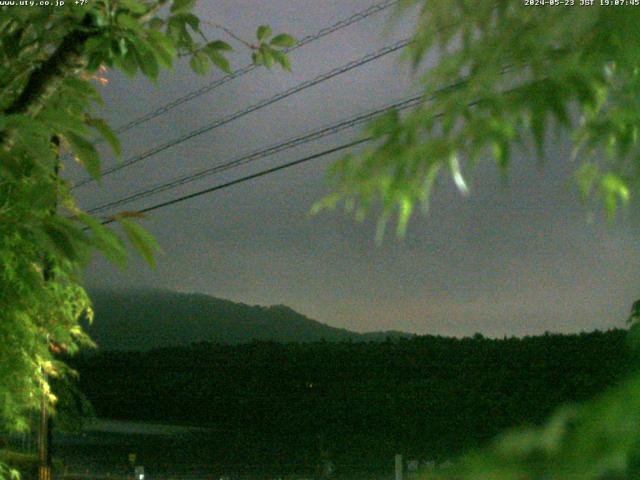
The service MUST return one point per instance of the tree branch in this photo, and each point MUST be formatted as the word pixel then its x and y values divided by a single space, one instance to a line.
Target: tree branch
pixel 230 33
pixel 46 79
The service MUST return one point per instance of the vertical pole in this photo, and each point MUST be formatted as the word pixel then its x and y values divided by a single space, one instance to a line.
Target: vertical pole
pixel 398 467
pixel 49 444
pixel 43 470
pixel 45 432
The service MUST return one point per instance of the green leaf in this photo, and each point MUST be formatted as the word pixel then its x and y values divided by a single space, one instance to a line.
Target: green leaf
pixel 27 126
pixel 142 240
pixel 218 59
pixel 128 22
pixel 283 40
pixel 163 46
pixel 98 57
pixel 133 6
pixel 199 63
pixel 98 17
pixel 146 59
pixel 424 194
pixel 129 63
pixel 182 6
pixel 456 174
pixel 81 87
pixel 105 130
pixel 267 58
pixel 86 153
pixel 62 121
pixel 263 32
pixel 586 177
pixel 405 210
pixel 258 57
pixel 501 154
pixel 119 47
pixel 615 191
pixel 94 44
pixel 156 23
pixel 110 244
pixel 189 19
pixel 282 59
pixel 219 45
pixel 61 239
pixel 34 135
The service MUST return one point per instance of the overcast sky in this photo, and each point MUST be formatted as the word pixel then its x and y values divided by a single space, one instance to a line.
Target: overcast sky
pixel 514 259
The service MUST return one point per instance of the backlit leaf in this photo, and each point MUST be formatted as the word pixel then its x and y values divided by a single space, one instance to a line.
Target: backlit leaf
pixel 86 153
pixel 142 240
pixel 283 40
pixel 105 130
pixel 182 6
pixel 263 32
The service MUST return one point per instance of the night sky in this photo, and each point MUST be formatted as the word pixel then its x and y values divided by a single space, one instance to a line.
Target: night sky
pixel 513 258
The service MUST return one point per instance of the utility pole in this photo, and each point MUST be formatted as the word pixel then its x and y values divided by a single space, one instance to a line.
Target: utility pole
pixel 44 470
pixel 45 432
pixel 398 467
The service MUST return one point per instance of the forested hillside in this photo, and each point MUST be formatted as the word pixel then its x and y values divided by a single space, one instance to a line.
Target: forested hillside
pixel 145 318
pixel 427 396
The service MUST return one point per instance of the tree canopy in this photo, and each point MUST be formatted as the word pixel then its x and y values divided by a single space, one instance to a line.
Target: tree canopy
pixel 427 397
pixel 50 59
pixel 495 74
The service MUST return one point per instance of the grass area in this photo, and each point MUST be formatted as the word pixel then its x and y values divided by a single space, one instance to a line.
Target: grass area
pixel 26 463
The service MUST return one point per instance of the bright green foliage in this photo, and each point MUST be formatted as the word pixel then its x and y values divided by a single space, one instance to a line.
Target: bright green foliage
pixel 25 465
pixel 500 73
pixel 497 74
pixel 266 52
pixel 590 441
pixel 8 472
pixel 49 58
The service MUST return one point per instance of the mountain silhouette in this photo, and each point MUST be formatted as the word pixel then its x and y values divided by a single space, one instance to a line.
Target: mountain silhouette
pixel 149 318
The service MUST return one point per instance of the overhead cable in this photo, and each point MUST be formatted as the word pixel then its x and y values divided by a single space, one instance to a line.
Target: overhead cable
pixel 273 169
pixel 260 154
pixel 247 178
pixel 355 18
pixel 252 108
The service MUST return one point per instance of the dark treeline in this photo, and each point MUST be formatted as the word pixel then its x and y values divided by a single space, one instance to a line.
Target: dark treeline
pixel 428 397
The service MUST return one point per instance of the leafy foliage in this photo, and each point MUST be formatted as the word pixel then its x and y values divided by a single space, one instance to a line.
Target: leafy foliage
pixel 266 51
pixel 10 463
pixel 49 59
pixel 506 73
pixel 24 465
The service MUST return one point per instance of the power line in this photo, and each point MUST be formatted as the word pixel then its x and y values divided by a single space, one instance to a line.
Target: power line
pixel 255 107
pixel 280 167
pixel 339 25
pixel 355 18
pixel 248 177
pixel 260 154
pixel 277 148
pixel 413 101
